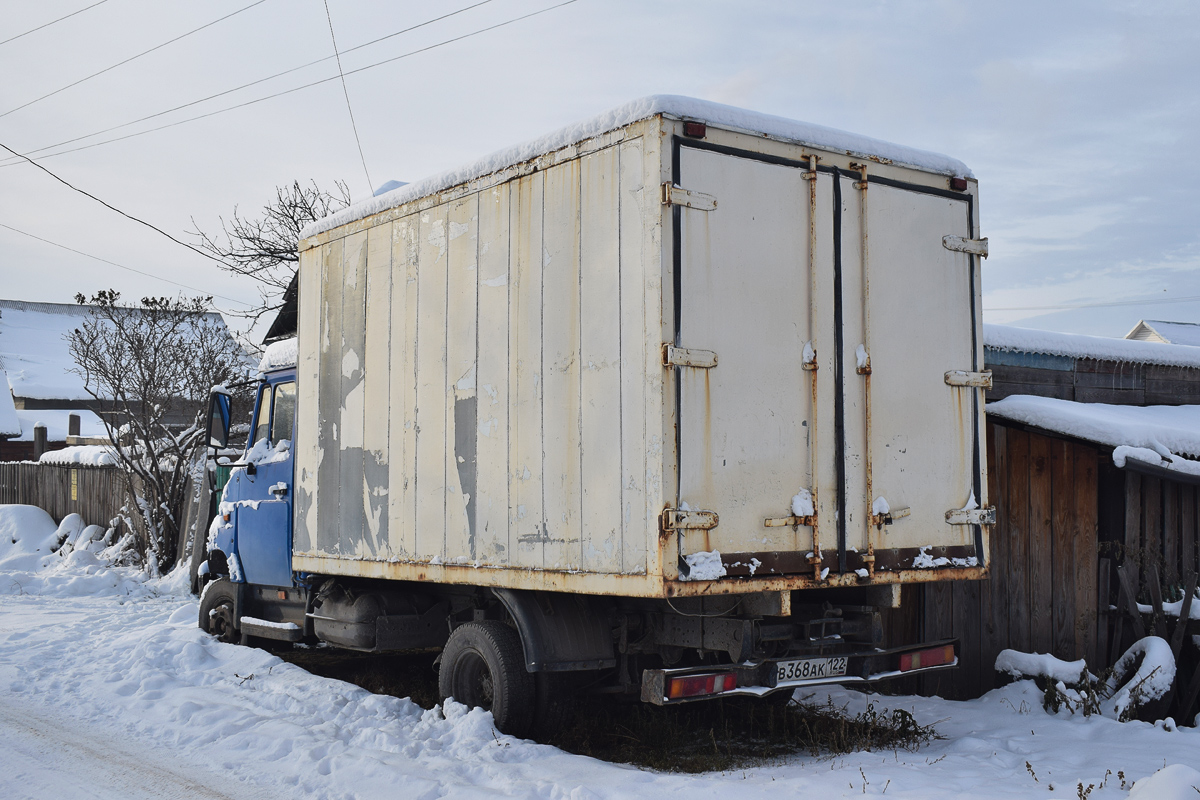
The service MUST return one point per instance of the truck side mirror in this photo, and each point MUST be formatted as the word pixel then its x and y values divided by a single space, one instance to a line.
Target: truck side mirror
pixel 219 404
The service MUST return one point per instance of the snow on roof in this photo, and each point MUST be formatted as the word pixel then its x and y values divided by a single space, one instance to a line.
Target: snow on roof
pixel 9 424
pixel 715 114
pixel 1187 333
pixel 56 421
pixel 1027 340
pixel 1152 434
pixel 34 352
pixel 96 455
pixel 278 355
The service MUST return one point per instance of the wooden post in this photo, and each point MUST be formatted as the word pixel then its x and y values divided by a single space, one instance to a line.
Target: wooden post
pixel 1151 524
pixel 1130 601
pixel 39 441
pixel 1017 501
pixel 1062 469
pixel 1103 614
pixel 1086 524
pixel 1170 531
pixel 1133 531
pixel 1041 530
pixel 1187 530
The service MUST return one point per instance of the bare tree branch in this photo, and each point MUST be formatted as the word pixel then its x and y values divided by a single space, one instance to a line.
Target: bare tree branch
pixel 264 247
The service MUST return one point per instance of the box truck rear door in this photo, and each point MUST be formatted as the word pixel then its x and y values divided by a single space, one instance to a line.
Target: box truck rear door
pixel 919 430
pixel 743 292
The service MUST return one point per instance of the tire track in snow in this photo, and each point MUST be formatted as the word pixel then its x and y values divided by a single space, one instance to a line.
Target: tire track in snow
pixel 49 757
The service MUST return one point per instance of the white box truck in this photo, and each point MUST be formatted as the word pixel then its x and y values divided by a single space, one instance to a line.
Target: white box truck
pixel 670 401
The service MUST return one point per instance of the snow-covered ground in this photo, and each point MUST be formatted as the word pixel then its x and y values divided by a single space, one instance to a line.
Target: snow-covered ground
pixel 110 691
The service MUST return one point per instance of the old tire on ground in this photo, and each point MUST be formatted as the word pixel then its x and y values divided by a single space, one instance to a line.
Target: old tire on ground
pixel 483 666
pixel 216 611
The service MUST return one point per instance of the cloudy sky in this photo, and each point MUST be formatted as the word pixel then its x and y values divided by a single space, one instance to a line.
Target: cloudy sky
pixel 1080 119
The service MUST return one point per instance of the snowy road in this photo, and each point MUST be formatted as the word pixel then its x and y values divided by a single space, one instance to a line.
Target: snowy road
pixel 48 756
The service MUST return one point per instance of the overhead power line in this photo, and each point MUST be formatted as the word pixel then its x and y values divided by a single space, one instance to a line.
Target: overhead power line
pixel 346 93
pixel 52 22
pixel 243 86
pixel 122 266
pixel 1112 304
pixel 132 58
pixel 114 208
pixel 307 85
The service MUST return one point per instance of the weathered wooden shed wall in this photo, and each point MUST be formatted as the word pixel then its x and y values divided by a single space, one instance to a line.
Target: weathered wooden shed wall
pixel 1042 591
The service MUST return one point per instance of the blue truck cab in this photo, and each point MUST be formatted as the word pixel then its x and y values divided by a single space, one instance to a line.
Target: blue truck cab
pixel 254 519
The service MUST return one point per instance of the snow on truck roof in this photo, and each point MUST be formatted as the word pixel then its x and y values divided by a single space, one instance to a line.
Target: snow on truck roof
pixel 279 355
pixel 1075 345
pixel 715 114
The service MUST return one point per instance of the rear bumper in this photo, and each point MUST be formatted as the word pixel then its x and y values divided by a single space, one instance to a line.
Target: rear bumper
pixel 759 678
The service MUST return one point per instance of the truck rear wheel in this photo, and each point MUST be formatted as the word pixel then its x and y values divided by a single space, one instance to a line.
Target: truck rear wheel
pixel 216 611
pixel 483 666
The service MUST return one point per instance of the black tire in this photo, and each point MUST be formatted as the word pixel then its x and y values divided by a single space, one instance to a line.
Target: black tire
pixel 483 666
pixel 216 611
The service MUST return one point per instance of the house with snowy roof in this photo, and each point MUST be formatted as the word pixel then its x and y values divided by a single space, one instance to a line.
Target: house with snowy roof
pixel 1164 332
pixel 39 387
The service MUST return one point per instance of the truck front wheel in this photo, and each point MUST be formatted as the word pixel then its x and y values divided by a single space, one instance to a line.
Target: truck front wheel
pixel 483 666
pixel 216 611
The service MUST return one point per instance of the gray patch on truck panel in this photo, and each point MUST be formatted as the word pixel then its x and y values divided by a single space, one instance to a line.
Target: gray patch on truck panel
pixel 302 509
pixel 375 490
pixel 465 423
pixel 350 503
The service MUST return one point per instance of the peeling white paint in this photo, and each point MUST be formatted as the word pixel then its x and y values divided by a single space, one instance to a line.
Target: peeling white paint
pixel 350 364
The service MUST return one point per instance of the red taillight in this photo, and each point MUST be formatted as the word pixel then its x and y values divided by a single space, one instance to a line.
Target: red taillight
pixel 697 685
pixel 934 657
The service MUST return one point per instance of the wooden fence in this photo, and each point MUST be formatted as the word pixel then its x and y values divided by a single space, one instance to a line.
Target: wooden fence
pixel 95 493
pixel 98 495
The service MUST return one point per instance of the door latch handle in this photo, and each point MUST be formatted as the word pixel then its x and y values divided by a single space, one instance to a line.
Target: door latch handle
pixel 280 490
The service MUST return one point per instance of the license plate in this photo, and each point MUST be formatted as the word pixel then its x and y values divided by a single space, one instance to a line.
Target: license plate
pixel 807 668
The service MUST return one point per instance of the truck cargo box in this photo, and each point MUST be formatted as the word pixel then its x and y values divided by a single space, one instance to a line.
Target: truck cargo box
pixel 680 349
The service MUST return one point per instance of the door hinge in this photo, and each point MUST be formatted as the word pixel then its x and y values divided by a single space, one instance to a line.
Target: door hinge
pixel 673 195
pixel 975 247
pixel 673 356
pixel 677 519
pixel 972 516
pixel 962 377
